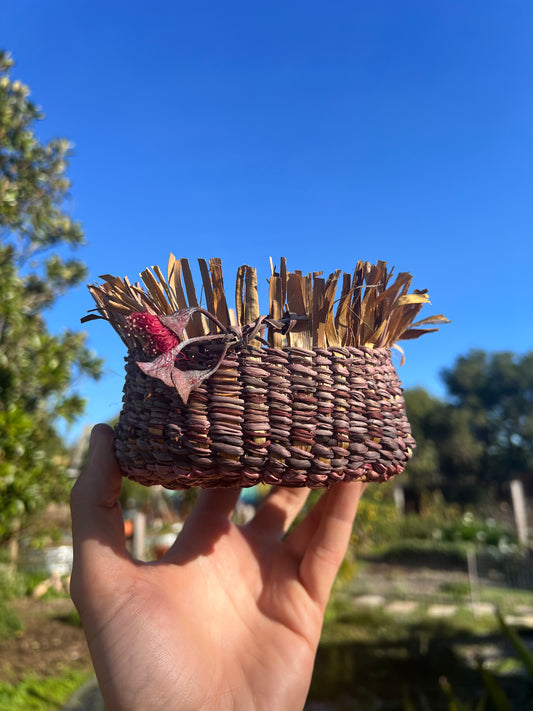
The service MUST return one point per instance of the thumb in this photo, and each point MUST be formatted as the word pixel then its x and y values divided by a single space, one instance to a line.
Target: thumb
pixel 97 525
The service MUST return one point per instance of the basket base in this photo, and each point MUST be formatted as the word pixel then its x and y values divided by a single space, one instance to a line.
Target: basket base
pixel 197 478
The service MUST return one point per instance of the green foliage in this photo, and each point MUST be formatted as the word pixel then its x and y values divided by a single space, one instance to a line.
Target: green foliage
pixel 37 693
pixel 72 618
pixel 456 589
pixel 493 689
pixel 446 446
pixel 9 622
pixel 15 585
pixel 423 552
pixel 33 183
pixel 473 445
pixel 476 530
pixel 455 704
pixel 11 586
pixel 135 495
pixel 33 579
pixel 523 653
pixel 12 583
pixel 376 520
pixel 422 409
pixel 37 368
pixel 494 395
pixel 378 525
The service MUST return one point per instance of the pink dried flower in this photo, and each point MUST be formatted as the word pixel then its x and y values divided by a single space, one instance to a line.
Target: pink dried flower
pixel 155 337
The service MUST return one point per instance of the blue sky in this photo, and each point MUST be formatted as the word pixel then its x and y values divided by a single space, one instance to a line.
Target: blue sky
pixel 324 132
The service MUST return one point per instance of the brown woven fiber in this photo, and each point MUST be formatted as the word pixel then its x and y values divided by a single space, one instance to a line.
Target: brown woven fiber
pixel 305 396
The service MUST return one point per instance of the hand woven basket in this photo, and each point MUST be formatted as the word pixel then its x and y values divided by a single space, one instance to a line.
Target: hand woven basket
pixel 301 397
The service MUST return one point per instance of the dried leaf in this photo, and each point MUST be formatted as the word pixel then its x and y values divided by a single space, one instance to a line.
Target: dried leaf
pixel 299 337
pixel 173 306
pixel 307 293
pixel 400 349
pixel 174 281
pixel 318 325
pixel 219 298
pixel 170 267
pixel 342 322
pixel 283 277
pixel 239 295
pixel 207 285
pixel 438 318
pixel 196 326
pixel 91 317
pixel 332 338
pixel 413 299
pixel 251 297
pixel 275 338
pixel 412 333
pixel 155 291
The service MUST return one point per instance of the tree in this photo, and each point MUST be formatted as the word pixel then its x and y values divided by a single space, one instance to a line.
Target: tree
pixel 447 454
pixel 424 468
pixel 37 368
pixel 474 443
pixel 495 394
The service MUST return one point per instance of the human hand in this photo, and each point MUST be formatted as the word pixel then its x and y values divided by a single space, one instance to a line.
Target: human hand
pixel 229 619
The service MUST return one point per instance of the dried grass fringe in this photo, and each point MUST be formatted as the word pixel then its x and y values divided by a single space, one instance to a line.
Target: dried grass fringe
pixel 370 310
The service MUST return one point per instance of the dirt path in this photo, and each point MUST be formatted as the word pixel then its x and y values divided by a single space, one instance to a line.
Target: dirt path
pixel 48 644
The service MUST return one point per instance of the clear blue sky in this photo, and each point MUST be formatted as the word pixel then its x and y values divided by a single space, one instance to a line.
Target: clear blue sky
pixel 325 132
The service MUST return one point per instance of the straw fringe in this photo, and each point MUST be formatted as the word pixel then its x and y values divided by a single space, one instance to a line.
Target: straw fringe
pixel 370 311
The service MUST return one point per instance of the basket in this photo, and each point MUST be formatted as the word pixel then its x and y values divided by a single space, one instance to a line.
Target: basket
pixel 305 396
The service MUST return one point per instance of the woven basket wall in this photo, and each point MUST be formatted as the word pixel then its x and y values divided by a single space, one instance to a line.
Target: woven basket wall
pixel 289 417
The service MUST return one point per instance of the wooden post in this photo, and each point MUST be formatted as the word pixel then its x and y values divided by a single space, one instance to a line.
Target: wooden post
pixel 139 535
pixel 519 507
pixel 399 500
pixel 13 547
pixel 473 579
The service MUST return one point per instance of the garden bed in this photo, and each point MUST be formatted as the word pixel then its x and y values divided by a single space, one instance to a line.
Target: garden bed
pixel 46 660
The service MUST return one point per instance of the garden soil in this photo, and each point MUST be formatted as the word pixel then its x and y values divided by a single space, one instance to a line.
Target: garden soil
pixel 49 643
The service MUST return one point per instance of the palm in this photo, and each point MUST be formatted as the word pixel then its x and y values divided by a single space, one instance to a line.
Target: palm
pixel 229 619
pixel 255 638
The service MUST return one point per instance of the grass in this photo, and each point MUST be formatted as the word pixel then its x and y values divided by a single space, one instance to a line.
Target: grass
pixel 456 589
pixel 37 693
pixel 506 599
pixel 345 623
pixel 422 551
pixel 344 620
pixel 72 618
pixel 9 622
pixel 373 657
pixel 376 659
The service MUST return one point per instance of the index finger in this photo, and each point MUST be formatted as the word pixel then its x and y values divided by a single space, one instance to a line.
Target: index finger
pixel 329 542
pixel 97 525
